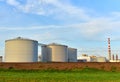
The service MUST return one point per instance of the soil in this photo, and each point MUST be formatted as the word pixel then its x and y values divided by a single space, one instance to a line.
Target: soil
pixel 61 66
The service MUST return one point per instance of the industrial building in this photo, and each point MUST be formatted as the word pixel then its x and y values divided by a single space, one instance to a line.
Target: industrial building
pixel 86 58
pixel 101 59
pixel 58 53
pixel 114 58
pixel 21 50
pixel 1 58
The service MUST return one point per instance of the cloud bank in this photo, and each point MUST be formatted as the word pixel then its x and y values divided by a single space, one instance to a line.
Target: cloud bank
pixel 57 8
pixel 88 26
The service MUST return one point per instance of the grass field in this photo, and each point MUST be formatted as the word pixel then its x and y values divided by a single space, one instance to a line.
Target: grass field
pixel 85 75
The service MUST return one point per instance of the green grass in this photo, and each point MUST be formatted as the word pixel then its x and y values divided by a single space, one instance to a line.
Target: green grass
pixel 85 75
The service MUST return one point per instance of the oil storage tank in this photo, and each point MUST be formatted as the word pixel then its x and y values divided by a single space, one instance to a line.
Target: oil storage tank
pixel 21 50
pixel 57 52
pixel 72 55
pixel 45 57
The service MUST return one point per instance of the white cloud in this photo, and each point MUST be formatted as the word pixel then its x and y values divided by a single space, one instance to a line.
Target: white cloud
pixel 62 10
pixel 33 27
pixel 55 8
pixel 13 2
pixel 115 14
pixel 95 27
pixel 48 36
pixel 89 29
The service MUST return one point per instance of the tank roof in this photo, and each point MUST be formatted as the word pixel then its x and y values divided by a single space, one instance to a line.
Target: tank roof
pixel 56 44
pixel 72 48
pixel 19 38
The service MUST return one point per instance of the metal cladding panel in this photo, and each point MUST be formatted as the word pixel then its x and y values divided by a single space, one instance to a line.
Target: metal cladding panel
pixel 72 55
pixel 58 53
pixel 21 50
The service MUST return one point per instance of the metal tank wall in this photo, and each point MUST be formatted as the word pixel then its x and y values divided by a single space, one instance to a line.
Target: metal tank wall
pixel 58 53
pixel 72 55
pixel 45 56
pixel 21 50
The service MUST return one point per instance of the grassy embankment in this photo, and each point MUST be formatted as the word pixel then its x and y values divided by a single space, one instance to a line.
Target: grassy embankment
pixel 84 75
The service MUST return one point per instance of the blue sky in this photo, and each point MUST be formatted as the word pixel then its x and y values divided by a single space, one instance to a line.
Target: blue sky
pixel 83 24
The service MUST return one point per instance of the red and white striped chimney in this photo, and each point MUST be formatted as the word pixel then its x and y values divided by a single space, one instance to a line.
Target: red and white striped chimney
pixel 109 49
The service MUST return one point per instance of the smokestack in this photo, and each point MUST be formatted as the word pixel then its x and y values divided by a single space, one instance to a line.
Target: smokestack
pixel 113 57
pixel 109 49
pixel 116 57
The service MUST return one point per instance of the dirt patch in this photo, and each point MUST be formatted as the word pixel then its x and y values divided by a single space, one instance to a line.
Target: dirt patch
pixel 61 66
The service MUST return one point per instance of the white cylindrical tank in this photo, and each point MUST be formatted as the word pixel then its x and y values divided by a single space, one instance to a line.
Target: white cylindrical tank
pixel 1 58
pixel 58 53
pixel 21 50
pixel 72 55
